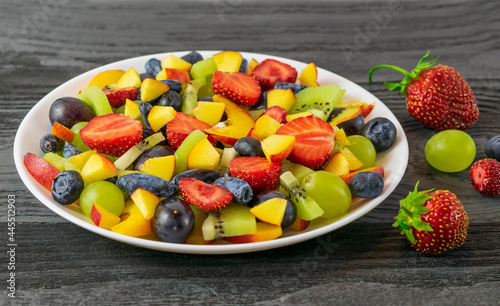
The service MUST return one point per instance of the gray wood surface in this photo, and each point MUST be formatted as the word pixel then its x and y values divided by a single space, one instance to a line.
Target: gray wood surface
pixel 45 43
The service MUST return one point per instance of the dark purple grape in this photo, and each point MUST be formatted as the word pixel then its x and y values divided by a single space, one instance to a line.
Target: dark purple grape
pixel 248 146
pixel 50 143
pixel 173 85
pixel 381 132
pixel 67 187
pixel 243 66
pixel 68 111
pixel 173 220
pixel 70 150
pixel 153 66
pixel 192 57
pixel 171 98
pixel 290 211
pixel 352 126
pixel 241 190
pixel 156 151
pixel 366 184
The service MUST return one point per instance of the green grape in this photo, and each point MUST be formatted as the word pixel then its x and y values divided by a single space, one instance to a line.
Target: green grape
pixel 363 149
pixel 104 193
pixel 330 192
pixel 450 151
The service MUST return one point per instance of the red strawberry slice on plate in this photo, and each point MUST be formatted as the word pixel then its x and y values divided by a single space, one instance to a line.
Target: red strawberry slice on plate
pixel 43 172
pixel 181 126
pixel 203 195
pixel 314 141
pixel 112 134
pixel 258 172
pixel 118 97
pixel 485 177
pixel 237 86
pixel 271 71
pixel 276 112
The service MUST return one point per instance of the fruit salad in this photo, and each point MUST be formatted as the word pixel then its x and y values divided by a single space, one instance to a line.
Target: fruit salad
pixel 197 150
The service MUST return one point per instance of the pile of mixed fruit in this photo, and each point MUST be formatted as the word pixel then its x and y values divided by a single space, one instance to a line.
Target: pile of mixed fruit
pixel 198 149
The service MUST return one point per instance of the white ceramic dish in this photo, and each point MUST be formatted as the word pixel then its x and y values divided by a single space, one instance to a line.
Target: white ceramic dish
pixel 36 123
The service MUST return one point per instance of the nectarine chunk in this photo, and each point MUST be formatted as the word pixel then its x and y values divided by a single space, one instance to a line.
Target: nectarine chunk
pixel 264 127
pixel 98 167
pixel 338 165
pixel 172 61
pixel 162 166
pixel 146 201
pixel 281 97
pixel 277 147
pixel 102 217
pixel 152 89
pixel 41 170
pixel 209 112
pixel 309 75
pixel 203 156
pixel 159 116
pixel 105 78
pixel 271 211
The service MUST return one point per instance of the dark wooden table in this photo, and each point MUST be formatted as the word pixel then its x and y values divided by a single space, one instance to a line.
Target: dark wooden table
pixel 45 43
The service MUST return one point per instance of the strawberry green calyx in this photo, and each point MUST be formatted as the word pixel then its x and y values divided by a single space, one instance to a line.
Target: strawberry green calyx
pixel 409 216
pixel 409 76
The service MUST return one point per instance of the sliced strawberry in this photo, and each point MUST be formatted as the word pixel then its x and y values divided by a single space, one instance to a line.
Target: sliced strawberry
pixel 181 126
pixel 203 195
pixel 271 71
pixel 258 172
pixel 314 141
pixel 43 172
pixel 238 86
pixel 485 177
pixel 118 97
pixel 276 112
pixel 112 134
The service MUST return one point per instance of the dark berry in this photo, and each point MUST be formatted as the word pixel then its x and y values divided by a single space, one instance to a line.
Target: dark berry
pixel 67 187
pixel 70 150
pixel 492 148
pixel 352 126
pixel 112 179
pixel 205 175
pixel 290 211
pixel 173 220
pixel 68 111
pixel 366 184
pixel 382 133
pixel 153 66
pixel 262 103
pixel 243 66
pixel 192 57
pixel 145 108
pixel 50 143
pixel 241 190
pixel 144 76
pixel 294 87
pixel 207 99
pixel 157 186
pixel 248 146
pixel 173 85
pixel 171 98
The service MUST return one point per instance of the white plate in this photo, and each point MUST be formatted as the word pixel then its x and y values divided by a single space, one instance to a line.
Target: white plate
pixel 36 123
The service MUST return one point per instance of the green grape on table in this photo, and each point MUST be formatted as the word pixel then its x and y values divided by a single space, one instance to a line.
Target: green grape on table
pixel 103 193
pixel 450 151
pixel 363 149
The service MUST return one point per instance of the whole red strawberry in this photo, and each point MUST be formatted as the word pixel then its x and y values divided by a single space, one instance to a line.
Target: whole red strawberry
pixel 485 177
pixel 438 97
pixel 434 222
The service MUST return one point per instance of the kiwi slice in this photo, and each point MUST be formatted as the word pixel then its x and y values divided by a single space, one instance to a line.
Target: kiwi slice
pixel 96 98
pixel 204 69
pixel 190 96
pixel 307 208
pixel 319 100
pixel 233 220
pixel 124 161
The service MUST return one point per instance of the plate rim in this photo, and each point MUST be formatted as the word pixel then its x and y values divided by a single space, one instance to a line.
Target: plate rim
pixel 41 194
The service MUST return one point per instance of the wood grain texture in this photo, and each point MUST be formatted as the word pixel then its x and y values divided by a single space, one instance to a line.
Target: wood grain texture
pixel 45 43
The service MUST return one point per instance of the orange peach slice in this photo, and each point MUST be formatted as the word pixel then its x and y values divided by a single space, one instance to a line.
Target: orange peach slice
pixel 338 165
pixel 159 116
pixel 281 97
pixel 264 127
pixel 253 63
pixel 209 112
pixel 341 137
pixel 271 211
pixel 133 222
pixel 277 147
pixel 152 89
pixel 228 61
pixel 129 79
pixel 63 132
pixel 98 167
pixel 345 115
pixel 174 74
pixel 309 75
pixel 354 162
pixel 162 166
pixel 105 78
pixel 203 156
pixel 298 115
pixel 146 201
pixel 264 232
pixel 102 217
pixel 132 110
pixel 172 61
pixel 81 159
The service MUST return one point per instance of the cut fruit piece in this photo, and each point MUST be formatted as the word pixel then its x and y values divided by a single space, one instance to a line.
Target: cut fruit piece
pixel 159 116
pixel 146 201
pixel 322 99
pixel 228 61
pixel 378 169
pixel 354 162
pixel 118 97
pixel 129 79
pixel 309 75
pixel 174 74
pixel 299 171
pixel 162 166
pixel 203 69
pixel 81 159
pixel 227 155
pixel 363 106
pixel 103 218
pixel 298 115
pixel 42 171
pixel 60 162
pixel 203 156
pixel 264 127
pixel 152 89
pixel 172 61
pixel 134 152
pixel 277 147
pixel 300 224
pixel 98 168
pixel 183 125
pixel 182 153
pixel 105 78
pixel 276 112
pixel 77 140
pixel 307 208
pixel 251 66
pixel 338 165
pixel 196 236
pixel 132 110
pixel 346 114
pixel 270 71
pixel 282 97
pixel 62 132
pixel 190 96
pixel 96 98
pixel 237 86
pixel 133 222
pixel 258 172
pixel 341 137
pixel 205 196
pixel 209 112
pixel 264 232
pixel 271 211
pixel 233 220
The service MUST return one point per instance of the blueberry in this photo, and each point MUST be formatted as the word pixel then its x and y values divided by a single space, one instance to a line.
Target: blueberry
pixel 352 126
pixel 242 192
pixel 248 146
pixel 492 148
pixel 382 133
pixel 153 66
pixel 156 151
pixel 171 98
pixel 158 186
pixel 205 175
pixel 192 57
pixel 67 187
pixel 243 66
pixel 290 211
pixel 70 150
pixel 112 179
pixel 294 87
pixel 173 220
pixel 145 108
pixel 50 143
pixel 173 85
pixel 366 184
pixel 145 75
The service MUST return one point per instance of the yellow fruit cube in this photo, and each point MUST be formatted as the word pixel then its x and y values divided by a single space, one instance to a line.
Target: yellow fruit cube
pixel 162 166
pixel 251 66
pixel 132 110
pixel 264 127
pixel 105 78
pixel 209 112
pixel 81 159
pixel 281 97
pixel 271 211
pixel 203 156
pixel 152 89
pixel 309 75
pixel 298 115
pixel 228 61
pixel 354 162
pixel 277 147
pixel 102 217
pixel 98 168
pixel 133 222
pixel 172 61
pixel 160 116
pixel 146 201
pixel 130 79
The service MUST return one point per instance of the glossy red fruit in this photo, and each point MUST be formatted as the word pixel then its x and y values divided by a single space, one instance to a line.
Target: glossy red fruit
pixel 203 195
pixel 438 97
pixel 118 97
pixel 485 177
pixel 237 86
pixel 271 71
pixel 258 172
pixel 276 112
pixel 314 141
pixel 181 126
pixel 112 134
pixel 434 222
pixel 41 170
